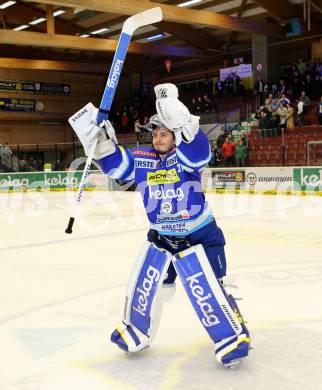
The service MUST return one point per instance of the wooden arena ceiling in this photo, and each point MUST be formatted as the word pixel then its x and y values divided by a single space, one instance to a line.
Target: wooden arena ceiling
pixel 56 30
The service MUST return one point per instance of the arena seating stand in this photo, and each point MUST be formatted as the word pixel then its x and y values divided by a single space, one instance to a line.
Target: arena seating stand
pixel 270 151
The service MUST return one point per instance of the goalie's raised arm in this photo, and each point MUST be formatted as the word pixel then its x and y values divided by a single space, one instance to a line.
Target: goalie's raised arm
pixel 193 149
pixel 114 160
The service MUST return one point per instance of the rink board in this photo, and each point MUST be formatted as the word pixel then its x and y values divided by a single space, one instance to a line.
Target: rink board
pixel 270 181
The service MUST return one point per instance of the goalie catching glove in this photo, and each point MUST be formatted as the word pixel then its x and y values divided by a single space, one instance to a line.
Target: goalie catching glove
pixel 88 131
pixel 174 114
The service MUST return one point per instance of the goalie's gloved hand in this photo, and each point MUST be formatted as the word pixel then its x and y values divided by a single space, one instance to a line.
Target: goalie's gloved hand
pixel 85 126
pixel 165 90
pixel 175 115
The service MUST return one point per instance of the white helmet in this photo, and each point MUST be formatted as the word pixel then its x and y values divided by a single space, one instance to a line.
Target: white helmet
pixel 154 122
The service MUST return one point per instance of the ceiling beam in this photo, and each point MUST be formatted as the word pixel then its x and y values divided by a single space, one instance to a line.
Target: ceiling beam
pixel 191 35
pixel 283 10
pixel 172 14
pixel 27 38
pixel 280 10
pixel 50 19
pixel 62 66
pixel 20 13
pixel 241 9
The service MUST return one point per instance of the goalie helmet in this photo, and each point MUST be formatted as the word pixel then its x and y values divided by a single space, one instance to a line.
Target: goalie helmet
pixel 155 122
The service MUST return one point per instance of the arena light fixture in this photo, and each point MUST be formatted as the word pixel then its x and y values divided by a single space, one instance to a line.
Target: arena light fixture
pixel 59 12
pixel 153 37
pixel 100 31
pixel 7 4
pixel 187 3
pixel 37 21
pixel 22 27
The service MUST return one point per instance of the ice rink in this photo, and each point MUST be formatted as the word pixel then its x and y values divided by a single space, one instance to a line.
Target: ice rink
pixel 61 296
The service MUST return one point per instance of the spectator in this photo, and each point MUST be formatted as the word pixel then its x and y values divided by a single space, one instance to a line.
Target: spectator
pixel 145 121
pixel 137 126
pixel 263 121
pixel 283 99
pixel 259 90
pixel 301 67
pixel 306 102
pixel 221 139
pixel 219 87
pixel 215 156
pixel 300 113
pixel 308 86
pixel 207 103
pixel 240 89
pixel 240 154
pixel 269 103
pixel 58 166
pixel 200 106
pixel 282 88
pixel 228 152
pixel 290 117
pixel 125 122
pixel 282 113
pixel 296 84
pixel 319 111
pixel 194 105
pixel 209 86
pixel 118 121
pixel 229 85
pixel 317 86
pixel 317 66
pixel 22 165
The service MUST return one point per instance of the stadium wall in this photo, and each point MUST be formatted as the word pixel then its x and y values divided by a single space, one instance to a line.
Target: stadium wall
pixel 271 181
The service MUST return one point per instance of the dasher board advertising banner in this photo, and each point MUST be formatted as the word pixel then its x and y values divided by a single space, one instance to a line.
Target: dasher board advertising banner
pixel 34 87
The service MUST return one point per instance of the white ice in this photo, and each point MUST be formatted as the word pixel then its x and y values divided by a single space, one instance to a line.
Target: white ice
pixel 61 296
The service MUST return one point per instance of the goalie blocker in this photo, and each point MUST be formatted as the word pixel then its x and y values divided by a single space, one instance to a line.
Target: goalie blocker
pixel 217 311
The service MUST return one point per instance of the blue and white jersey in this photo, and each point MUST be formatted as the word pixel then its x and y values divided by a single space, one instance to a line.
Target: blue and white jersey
pixel 171 187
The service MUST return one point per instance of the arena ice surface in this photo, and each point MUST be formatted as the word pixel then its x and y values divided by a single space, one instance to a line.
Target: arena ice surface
pixel 61 296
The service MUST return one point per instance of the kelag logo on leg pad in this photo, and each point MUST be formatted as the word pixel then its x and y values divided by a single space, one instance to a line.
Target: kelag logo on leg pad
pixel 152 276
pixel 202 301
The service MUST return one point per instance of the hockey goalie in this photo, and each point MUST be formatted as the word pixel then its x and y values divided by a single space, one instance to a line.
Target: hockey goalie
pixel 184 239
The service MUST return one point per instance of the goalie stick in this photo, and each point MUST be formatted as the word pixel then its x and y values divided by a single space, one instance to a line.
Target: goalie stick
pixel 131 24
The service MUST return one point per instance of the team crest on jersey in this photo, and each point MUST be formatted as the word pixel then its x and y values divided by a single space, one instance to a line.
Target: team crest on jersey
pixel 162 176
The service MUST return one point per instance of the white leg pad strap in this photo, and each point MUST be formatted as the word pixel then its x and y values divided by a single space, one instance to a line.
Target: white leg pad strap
pixel 206 294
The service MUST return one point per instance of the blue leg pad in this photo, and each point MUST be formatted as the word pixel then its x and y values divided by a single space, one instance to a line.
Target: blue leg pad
pixel 232 349
pixel 117 339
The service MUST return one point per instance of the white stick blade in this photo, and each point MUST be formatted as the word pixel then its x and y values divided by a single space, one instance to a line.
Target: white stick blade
pixel 144 18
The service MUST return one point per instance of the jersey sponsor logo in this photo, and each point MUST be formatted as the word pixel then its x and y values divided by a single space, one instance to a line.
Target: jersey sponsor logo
pixel 152 276
pixel 111 82
pixel 171 161
pixel 181 215
pixel 144 163
pixel 163 194
pixel 175 228
pixel 144 153
pixel 162 176
pixel 202 301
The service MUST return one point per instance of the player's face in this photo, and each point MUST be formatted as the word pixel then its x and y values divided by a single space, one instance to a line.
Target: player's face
pixel 162 140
